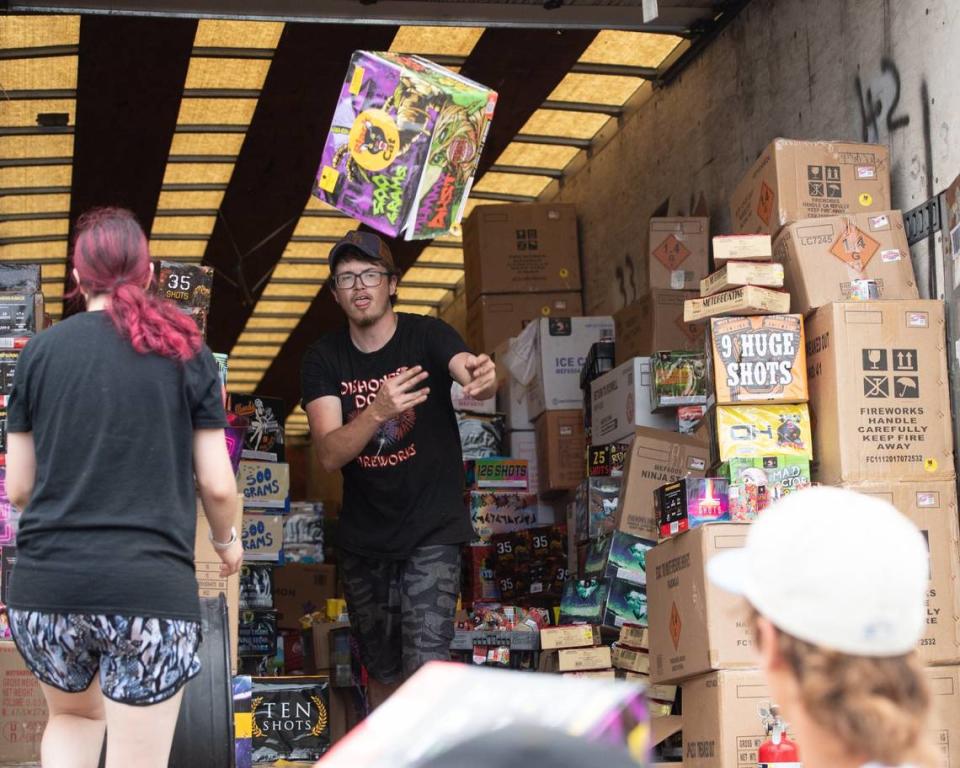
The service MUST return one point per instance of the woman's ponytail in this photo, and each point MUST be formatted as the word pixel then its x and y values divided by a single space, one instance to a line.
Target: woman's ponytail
pixel 153 324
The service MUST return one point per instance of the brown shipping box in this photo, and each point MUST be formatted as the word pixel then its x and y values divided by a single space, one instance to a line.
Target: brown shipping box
pixel 679 253
pixel 521 248
pixel 793 180
pixel 822 258
pixel 23 711
pixel 741 248
pixel 492 320
pixel 560 450
pixel 944 683
pixel 721 719
pixel 932 506
pixel 655 323
pixel 301 588
pixel 657 457
pixel 207 563
pixel 695 627
pixel 877 374
pixel 734 274
pixel 746 300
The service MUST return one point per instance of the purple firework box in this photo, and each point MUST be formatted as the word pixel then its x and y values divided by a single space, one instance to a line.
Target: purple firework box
pixel 404 144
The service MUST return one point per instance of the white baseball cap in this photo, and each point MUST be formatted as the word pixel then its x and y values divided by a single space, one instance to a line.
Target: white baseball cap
pixel 838 569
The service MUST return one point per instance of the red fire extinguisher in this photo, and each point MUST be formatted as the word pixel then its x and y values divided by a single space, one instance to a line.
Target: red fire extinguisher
pixel 778 750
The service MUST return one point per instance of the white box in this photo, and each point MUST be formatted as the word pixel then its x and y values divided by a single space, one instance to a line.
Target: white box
pixel 522 444
pixel 559 347
pixel 621 402
pixel 469 404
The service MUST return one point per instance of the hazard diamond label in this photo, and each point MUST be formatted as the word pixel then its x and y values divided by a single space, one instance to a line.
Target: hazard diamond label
pixel 855 248
pixel 690 330
pixel 675 626
pixel 671 252
pixel 765 203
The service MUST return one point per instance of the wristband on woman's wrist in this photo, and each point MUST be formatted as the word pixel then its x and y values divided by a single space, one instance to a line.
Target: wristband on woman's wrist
pixel 220 546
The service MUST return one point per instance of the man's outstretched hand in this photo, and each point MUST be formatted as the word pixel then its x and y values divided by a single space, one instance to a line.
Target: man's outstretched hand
pixel 483 377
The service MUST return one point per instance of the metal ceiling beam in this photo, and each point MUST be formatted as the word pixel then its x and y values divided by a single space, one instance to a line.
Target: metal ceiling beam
pixel 526 170
pixel 128 99
pixel 502 197
pixel 30 162
pixel 39 52
pixel 38 94
pixel 35 130
pixel 21 239
pixel 221 159
pixel 554 141
pixel 583 106
pixel 161 212
pixel 44 216
pixel 221 93
pixel 214 52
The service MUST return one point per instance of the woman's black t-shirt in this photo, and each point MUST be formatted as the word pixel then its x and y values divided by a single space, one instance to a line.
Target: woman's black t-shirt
pixel 110 526
pixel 405 490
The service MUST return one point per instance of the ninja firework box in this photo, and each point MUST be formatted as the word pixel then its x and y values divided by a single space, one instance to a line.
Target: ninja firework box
pixel 759 359
pixel 493 513
pixel 291 718
pixel 404 144
pixel 689 503
pixel 755 483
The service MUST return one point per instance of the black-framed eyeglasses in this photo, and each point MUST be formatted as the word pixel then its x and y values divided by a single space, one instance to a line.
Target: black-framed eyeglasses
pixel 369 278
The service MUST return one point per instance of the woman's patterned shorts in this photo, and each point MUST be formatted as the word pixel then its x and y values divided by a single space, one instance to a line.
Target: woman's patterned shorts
pixel 141 661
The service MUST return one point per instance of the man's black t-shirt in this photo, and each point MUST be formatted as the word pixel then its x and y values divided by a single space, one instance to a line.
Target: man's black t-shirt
pixel 405 490
pixel 111 523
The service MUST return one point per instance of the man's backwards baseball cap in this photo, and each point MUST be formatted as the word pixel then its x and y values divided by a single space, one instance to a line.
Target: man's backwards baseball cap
pixel 366 243
pixel 841 570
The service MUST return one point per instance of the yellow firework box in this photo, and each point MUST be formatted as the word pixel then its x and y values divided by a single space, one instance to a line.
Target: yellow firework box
pixel 744 431
pixel 759 359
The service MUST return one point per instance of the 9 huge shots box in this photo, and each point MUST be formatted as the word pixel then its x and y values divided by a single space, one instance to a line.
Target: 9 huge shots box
pixel 404 144
pixel 695 627
pixel 879 392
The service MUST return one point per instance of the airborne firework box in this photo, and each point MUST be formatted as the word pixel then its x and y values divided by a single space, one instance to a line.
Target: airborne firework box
pixel 746 300
pixel 879 387
pixel 738 273
pixel 794 180
pixel 828 259
pixel 626 602
pixel 291 718
pixel 583 601
pixel 258 633
pixel 690 502
pixel 256 587
pixel 746 431
pixel 759 359
pixel 19 277
pixel 404 144
pixel 679 252
pixel 596 500
pixel 694 625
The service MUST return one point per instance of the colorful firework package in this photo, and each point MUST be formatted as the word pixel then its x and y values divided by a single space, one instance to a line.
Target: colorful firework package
pixel 256 586
pixel 626 603
pixel 404 144
pixel 291 718
pixel 584 601
pixel 748 431
pixel 531 563
pixel 243 721
pixel 689 503
pixel 679 378
pixel 755 483
pixel 595 506
pixel 264 419
pixel 188 286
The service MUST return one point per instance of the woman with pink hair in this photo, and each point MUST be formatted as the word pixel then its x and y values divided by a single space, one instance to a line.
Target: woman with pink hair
pixel 112 412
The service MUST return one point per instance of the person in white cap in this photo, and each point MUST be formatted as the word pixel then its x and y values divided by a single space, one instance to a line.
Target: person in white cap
pixel 837 583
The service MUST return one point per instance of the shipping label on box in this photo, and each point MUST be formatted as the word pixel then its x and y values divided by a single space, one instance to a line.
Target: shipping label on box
pixel 654 323
pixel 836 259
pixel 493 513
pixel 748 300
pixel 679 252
pixel 746 431
pixel 576 636
pixel 404 144
pixel 740 273
pixel 759 359
pixel 262 537
pixel 932 506
pixel 794 180
pixel 634 636
pixel 689 503
pixel 656 457
pixel 694 625
pixel 741 248
pixel 620 402
pixel 879 383
pixel 264 485
pixel 679 378
pixel 583 659
pixel 756 483
pixel 630 659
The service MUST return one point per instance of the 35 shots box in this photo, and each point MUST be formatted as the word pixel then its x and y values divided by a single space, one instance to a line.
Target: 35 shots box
pixel 879 387
pixel 759 359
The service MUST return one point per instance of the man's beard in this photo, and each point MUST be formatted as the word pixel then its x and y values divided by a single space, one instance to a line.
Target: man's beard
pixel 367 320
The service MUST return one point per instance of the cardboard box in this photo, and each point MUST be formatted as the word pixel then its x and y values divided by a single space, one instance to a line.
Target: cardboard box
pixel 741 248
pixel 206 563
pixel 528 248
pixel 824 259
pixel 679 252
pixel 21 314
pixel 493 513
pixel 678 378
pixel 264 485
pixel 462 402
pixel 737 273
pixel 262 537
pixel 620 403
pixel 759 359
pixel 404 144
pixel 654 323
pixel 793 180
pixel 748 431
pixel 691 502
pixel 944 683
pixel 748 300
pixel 522 444
pixel 583 659
pixel 721 720
pixel 560 446
pixel 656 457
pixel 301 588
pixel 23 716
pixel 879 386
pixel 634 636
pixel 596 674
pixel 695 627
pixel 319 660
pixel 932 506
pixel 756 483
pixel 573 636
pixel 492 319
pixel 558 349
pixel 630 659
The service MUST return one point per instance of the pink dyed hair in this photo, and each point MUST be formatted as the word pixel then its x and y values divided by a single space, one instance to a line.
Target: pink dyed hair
pixel 111 256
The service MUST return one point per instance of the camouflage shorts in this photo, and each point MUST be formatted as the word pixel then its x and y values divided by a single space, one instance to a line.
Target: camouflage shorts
pixel 402 611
